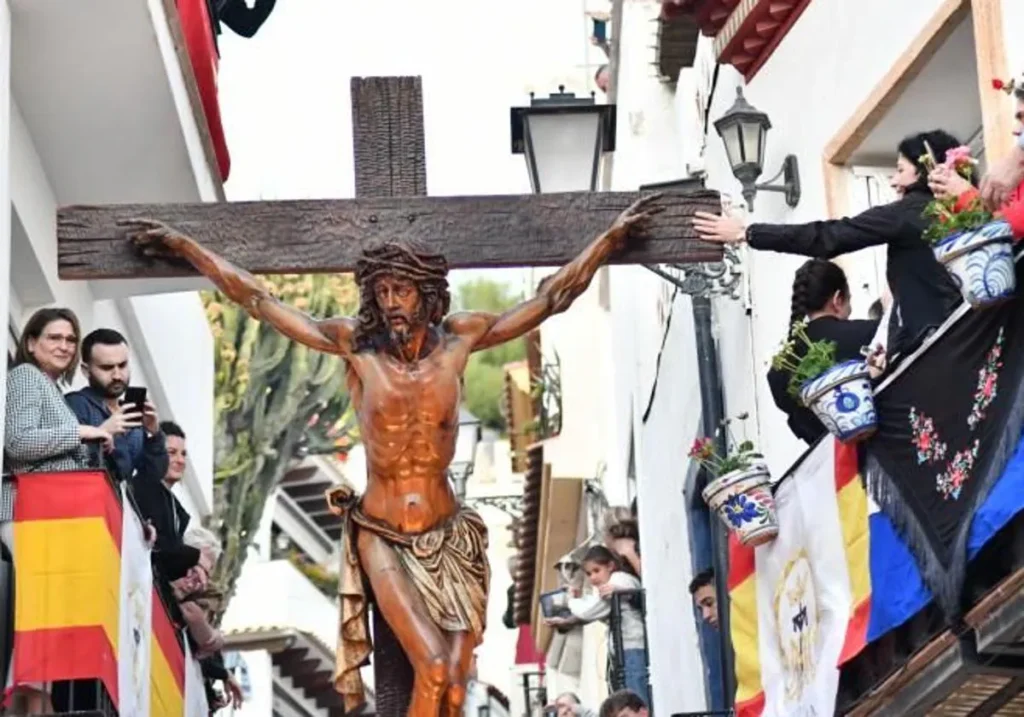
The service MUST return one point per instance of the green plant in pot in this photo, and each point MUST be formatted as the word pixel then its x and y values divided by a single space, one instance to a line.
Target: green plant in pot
pixel 740 492
pixel 974 246
pixel 839 394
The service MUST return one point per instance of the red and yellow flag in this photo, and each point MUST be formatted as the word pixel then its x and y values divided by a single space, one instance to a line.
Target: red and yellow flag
pixel 67 557
pixel 799 606
pixel 68 548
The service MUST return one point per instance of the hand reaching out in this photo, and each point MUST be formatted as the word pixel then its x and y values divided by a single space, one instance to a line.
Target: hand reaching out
pixel 634 219
pixel 722 229
pixel 153 238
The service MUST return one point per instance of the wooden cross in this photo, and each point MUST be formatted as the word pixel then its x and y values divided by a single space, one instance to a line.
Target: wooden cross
pixel 312 236
pixel 309 236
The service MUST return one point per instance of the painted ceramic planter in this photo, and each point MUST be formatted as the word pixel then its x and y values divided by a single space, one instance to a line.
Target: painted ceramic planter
pixel 743 500
pixel 981 263
pixel 843 400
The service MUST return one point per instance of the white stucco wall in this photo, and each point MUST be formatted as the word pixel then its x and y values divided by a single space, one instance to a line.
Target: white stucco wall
pixel 170 341
pixel 5 177
pixel 275 593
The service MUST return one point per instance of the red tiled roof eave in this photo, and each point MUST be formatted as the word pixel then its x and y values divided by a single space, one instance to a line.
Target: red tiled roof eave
pixel 746 32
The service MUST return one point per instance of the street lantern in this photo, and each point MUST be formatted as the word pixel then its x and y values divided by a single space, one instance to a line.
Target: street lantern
pixel 744 130
pixel 466 441
pixel 563 138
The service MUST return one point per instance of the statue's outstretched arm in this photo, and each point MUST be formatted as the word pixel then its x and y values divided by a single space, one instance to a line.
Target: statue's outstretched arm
pixel 329 335
pixel 557 292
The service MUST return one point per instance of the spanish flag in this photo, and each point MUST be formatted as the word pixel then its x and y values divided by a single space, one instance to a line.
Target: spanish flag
pixel 167 660
pixel 796 613
pixel 85 605
pixel 67 558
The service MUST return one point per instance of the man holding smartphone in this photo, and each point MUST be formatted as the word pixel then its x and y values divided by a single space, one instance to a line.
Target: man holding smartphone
pixel 124 411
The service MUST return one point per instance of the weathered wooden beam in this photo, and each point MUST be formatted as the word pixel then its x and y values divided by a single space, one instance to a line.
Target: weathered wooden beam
pixel 310 236
pixel 387 137
pixel 390 161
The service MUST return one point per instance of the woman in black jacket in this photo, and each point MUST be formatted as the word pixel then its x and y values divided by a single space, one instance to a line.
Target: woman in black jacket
pixel 923 293
pixel 821 296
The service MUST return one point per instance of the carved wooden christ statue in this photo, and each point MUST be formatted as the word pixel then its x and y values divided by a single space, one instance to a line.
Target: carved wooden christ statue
pixel 423 554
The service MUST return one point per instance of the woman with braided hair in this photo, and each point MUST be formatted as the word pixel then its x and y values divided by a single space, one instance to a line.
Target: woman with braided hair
pixel 821 296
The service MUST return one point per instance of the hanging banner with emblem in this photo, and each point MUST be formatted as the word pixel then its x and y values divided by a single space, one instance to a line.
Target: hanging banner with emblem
pixel 796 612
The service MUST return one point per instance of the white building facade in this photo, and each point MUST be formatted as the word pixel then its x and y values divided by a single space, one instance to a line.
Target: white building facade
pixel 842 83
pixel 98 106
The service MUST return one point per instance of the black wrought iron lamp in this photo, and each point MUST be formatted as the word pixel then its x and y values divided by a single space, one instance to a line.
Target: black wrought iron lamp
pixel 563 138
pixel 744 130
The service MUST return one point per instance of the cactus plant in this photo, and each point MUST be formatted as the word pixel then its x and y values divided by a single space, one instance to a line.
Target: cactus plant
pixel 274 400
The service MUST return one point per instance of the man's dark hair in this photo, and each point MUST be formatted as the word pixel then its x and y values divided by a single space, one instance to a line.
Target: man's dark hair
pixel 404 260
pixel 704 577
pixel 876 311
pixel 621 700
pixel 170 428
pixel 103 337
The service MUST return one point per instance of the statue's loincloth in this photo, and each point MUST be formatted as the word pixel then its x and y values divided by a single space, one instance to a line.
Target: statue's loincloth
pixel 447 566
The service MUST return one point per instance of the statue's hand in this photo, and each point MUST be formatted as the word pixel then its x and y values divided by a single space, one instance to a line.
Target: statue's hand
pixel 153 238
pixel 633 220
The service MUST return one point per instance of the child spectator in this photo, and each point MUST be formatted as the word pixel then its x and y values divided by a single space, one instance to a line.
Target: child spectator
pixel 606 575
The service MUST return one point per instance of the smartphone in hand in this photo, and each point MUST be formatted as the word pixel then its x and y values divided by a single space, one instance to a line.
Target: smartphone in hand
pixel 134 399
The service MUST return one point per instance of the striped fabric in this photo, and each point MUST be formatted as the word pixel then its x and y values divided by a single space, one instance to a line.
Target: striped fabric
pixel 167 661
pixel 796 612
pixel 67 548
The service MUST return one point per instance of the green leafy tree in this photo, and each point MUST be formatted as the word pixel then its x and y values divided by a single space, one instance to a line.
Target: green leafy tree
pixel 485 380
pixel 275 400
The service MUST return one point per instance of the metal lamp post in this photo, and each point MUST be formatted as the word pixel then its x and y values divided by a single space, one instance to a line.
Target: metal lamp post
pixel 466 441
pixel 563 138
pixel 744 131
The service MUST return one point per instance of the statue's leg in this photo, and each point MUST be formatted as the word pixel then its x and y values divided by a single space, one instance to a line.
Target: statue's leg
pixel 400 603
pixel 461 646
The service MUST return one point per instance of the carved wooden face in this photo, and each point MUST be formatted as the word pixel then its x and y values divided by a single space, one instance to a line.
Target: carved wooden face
pixel 401 306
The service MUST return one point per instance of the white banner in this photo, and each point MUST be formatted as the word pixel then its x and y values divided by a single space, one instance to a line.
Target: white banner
pixel 803 594
pixel 195 693
pixel 135 628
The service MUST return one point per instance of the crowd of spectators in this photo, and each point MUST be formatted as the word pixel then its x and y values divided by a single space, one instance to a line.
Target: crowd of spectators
pixel 109 424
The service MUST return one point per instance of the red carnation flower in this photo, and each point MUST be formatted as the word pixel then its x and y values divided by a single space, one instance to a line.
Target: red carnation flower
pixel 998 84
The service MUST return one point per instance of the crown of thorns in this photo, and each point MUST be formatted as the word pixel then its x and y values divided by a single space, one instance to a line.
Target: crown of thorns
pixel 408 262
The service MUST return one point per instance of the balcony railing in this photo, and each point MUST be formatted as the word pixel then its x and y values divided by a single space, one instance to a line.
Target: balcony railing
pixel 636 600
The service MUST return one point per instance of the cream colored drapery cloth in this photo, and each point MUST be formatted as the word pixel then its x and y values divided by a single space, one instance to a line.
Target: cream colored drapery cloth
pixel 447 566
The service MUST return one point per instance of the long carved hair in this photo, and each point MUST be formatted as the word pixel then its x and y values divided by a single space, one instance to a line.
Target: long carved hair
pixel 404 260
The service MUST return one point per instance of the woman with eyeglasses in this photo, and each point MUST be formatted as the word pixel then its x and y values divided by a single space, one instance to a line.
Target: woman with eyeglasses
pixel 41 432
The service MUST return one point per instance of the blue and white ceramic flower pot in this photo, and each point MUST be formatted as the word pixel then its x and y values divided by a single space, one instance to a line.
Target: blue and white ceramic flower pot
pixel 981 263
pixel 744 502
pixel 843 400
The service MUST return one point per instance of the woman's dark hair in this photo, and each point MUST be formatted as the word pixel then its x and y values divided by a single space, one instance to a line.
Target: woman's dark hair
pixel 602 556
pixel 913 148
pixel 815 283
pixel 170 428
pixel 34 329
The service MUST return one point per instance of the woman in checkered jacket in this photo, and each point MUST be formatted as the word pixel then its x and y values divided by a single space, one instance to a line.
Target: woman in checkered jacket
pixel 41 432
